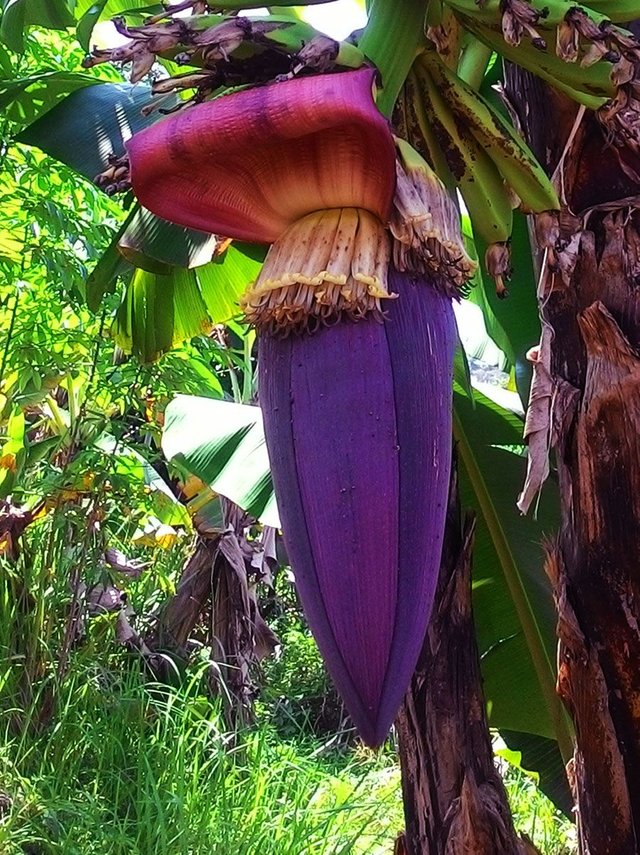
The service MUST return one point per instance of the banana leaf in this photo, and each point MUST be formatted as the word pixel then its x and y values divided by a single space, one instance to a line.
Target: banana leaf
pixel 92 123
pixel 160 311
pixel 222 444
pixel 541 756
pixel 515 617
pixel 513 323
pixel 156 245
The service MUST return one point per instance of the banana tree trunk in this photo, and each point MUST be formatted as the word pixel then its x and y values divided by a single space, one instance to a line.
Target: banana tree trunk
pixel 454 800
pixel 590 307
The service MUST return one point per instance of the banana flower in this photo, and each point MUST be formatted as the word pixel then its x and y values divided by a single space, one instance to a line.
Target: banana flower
pixel 355 350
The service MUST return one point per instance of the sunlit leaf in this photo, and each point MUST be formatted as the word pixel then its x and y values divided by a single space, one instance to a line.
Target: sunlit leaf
pixel 19 14
pixel 222 444
pixel 88 14
pixel 92 123
pixel 227 277
pixel 12 452
pixel 25 99
pixel 160 311
pixel 131 464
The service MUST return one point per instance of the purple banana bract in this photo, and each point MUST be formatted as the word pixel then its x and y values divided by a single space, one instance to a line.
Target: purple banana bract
pixel 358 427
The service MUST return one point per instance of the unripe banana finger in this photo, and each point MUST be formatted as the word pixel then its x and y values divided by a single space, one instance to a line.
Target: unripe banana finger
pixel 508 151
pixel 481 185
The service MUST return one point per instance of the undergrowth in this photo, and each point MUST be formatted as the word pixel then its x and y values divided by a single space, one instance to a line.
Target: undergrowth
pixel 144 769
pixel 123 765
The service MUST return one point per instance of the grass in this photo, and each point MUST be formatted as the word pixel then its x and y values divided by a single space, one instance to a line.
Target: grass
pixel 143 770
pixel 133 768
pixel 125 766
pixel 535 815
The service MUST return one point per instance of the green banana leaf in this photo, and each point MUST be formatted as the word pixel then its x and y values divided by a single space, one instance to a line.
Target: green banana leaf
pixel 17 15
pixel 92 123
pixel 104 276
pixel 514 613
pixel 222 444
pixel 541 755
pixel 160 311
pixel 156 245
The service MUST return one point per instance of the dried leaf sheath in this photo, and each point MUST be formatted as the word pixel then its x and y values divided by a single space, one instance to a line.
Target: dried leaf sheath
pixel 358 425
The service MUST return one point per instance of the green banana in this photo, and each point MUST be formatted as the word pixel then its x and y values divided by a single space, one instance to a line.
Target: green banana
pixel 421 129
pixel 485 194
pixel 508 151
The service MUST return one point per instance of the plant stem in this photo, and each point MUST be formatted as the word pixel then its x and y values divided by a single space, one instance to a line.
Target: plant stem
pixel 12 323
pixel 391 40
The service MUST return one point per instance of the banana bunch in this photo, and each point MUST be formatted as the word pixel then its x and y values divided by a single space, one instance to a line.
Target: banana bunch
pixel 576 48
pixel 226 51
pixel 472 147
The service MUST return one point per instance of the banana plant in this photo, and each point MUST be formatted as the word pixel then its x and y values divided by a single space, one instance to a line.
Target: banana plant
pixel 361 247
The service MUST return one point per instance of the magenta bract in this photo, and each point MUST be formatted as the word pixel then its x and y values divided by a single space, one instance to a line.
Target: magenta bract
pixel 249 164
pixel 358 427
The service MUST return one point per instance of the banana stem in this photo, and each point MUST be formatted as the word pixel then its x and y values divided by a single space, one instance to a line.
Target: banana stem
pixel 474 62
pixel 391 40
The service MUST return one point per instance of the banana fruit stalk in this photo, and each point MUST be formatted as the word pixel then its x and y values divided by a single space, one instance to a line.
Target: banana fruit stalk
pixel 594 81
pixel 232 50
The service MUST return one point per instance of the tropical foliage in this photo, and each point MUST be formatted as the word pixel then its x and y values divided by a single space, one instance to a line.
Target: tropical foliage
pixel 129 427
